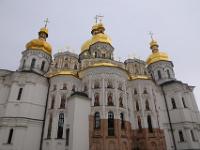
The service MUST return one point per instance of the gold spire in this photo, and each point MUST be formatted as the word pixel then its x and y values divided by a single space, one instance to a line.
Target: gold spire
pixel 40 43
pixel 98 34
pixel 156 54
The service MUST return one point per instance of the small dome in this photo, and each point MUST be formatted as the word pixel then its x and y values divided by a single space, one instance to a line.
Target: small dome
pixel 158 56
pixel 39 44
pixel 98 35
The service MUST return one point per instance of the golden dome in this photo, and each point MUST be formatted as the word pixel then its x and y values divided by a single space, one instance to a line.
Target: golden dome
pixel 85 45
pixel 158 56
pixel 98 35
pixel 40 43
pixel 153 43
pixel 101 38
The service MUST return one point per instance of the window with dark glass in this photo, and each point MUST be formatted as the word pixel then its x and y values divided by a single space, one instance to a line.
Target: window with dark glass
pixel 159 75
pixel 97 120
pixel 122 121
pixel 110 124
pixel 168 74
pixel 192 135
pixel 181 137
pixel 49 127
pixel 19 93
pixel 52 102
pixel 96 100
pixel 147 105
pixel 60 126
pixel 135 91
pixel 120 101
pixel 73 88
pixel 95 54
pixel 110 100
pixel 137 106
pixel 42 66
pixel 149 124
pixel 173 103
pixel 63 100
pixel 67 136
pixel 96 85
pixel 10 136
pixel 183 101
pixel 33 63
pixel 145 91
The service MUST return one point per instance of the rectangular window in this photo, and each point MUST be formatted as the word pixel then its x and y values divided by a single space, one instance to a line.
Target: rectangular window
pixel 19 94
pixel 67 136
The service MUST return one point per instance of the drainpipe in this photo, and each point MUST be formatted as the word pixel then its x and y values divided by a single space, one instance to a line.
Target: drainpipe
pixel 45 111
pixel 170 123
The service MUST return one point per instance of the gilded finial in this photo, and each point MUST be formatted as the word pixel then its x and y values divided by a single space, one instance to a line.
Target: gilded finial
pixel 151 35
pixel 46 22
pixel 98 18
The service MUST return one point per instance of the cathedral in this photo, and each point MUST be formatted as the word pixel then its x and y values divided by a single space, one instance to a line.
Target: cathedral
pixel 91 101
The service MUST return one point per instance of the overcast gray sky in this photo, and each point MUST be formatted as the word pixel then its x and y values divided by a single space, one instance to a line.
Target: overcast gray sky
pixel 175 24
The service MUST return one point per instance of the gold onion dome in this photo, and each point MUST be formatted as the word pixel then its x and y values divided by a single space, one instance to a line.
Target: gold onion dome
pixel 156 54
pixel 40 43
pixel 98 35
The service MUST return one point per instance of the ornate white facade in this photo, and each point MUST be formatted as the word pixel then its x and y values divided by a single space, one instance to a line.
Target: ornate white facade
pixel 91 101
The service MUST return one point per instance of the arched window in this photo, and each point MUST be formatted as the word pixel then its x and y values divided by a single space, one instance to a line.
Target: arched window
pixel 97 120
pixel 64 86
pixel 62 103
pixel 159 74
pixel 135 91
pixel 110 101
pixel 23 65
pixel 33 63
pixel 54 87
pixel 147 105
pixel 168 74
pixel 149 124
pixel 173 103
pixel 60 126
pixel 139 123
pixel 42 66
pixel 110 123
pixel 122 121
pixel 181 137
pixel 137 106
pixel 145 91
pixel 183 101
pixel 95 54
pixel 85 88
pixel 96 99
pixel 10 136
pixel 120 101
pixel 49 127
pixel 52 102
pixel 75 67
